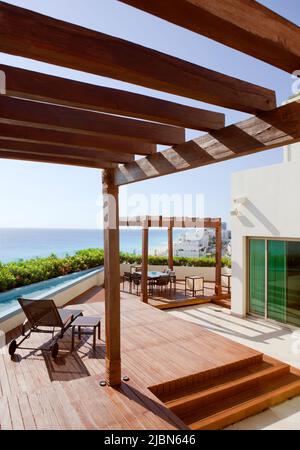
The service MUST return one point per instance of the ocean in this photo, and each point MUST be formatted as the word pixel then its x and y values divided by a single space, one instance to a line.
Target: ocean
pixel 25 243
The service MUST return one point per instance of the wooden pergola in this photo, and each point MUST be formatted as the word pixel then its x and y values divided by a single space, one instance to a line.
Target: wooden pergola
pixel 54 120
pixel 170 223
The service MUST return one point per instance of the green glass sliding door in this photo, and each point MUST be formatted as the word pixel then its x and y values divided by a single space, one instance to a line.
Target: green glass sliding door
pixel 293 284
pixel 257 276
pixel 276 280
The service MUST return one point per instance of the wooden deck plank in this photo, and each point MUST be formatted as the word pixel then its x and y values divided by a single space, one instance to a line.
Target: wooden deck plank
pixel 27 414
pixel 5 418
pixel 65 394
pixel 175 298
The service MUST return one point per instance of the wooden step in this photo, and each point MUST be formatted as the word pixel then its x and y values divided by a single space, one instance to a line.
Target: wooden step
pixel 221 388
pixel 216 399
pixel 181 386
pixel 244 403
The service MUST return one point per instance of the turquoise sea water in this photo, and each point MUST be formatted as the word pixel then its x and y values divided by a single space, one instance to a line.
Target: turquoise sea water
pixel 29 243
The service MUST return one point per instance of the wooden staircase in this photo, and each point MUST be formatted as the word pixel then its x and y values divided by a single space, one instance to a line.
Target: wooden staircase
pixel 214 402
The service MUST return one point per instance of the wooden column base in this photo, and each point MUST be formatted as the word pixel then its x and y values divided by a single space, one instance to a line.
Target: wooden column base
pixel 113 372
pixel 218 290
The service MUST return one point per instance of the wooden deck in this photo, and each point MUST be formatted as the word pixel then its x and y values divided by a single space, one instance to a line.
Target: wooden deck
pixel 158 351
pixel 175 298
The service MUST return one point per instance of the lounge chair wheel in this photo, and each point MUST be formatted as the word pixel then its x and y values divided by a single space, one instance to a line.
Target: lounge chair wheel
pixel 54 350
pixel 12 347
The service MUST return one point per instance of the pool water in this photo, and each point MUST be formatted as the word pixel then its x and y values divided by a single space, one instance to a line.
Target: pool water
pixel 9 302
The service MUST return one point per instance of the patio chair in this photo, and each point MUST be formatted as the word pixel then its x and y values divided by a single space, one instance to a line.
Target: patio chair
pixel 163 281
pixel 135 269
pixel 136 279
pixel 44 313
pixel 172 277
pixel 127 277
pixel 151 284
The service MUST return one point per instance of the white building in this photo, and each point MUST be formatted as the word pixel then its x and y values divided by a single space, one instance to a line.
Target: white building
pixel 266 240
pixel 192 244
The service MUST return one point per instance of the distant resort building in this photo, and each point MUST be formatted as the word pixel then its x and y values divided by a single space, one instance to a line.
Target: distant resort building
pixel 197 243
pixel 192 244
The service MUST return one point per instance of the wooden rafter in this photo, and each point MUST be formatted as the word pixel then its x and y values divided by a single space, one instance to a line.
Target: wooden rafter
pixel 29 113
pixel 36 86
pixel 63 151
pixel 32 35
pixel 244 25
pixel 76 140
pixel 169 222
pixel 270 129
pixel 21 156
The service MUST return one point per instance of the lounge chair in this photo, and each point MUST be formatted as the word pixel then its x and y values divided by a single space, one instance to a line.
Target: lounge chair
pixel 44 313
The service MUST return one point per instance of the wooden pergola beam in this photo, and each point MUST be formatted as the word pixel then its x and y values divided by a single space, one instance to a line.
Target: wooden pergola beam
pixel 22 156
pixel 32 35
pixel 63 152
pixel 55 117
pixel 170 248
pixel 36 86
pixel 266 131
pixel 145 252
pixel 244 25
pixel 76 140
pixel 218 274
pixel 169 222
pixel 112 279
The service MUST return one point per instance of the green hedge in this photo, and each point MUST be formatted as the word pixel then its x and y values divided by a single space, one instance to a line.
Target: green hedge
pixel 22 273
pixel 204 261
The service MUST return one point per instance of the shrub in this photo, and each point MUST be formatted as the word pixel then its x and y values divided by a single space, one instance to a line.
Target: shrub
pixel 204 261
pixel 7 280
pixel 22 273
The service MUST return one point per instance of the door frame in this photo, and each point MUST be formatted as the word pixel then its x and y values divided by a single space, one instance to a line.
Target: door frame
pixel 265 317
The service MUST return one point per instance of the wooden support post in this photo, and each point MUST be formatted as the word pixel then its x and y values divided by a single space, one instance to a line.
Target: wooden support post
pixel 218 281
pixel 170 248
pixel 112 278
pixel 145 261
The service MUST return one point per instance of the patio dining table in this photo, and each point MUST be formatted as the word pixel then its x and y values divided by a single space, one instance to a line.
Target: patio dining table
pixel 152 275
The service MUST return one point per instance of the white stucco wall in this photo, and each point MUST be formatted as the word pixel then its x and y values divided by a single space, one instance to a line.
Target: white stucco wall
pixel 182 271
pixel 271 209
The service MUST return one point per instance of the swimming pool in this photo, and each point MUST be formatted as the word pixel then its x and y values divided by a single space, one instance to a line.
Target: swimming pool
pixel 9 302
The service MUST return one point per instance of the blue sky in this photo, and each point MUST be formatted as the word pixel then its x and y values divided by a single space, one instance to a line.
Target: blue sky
pixel 44 195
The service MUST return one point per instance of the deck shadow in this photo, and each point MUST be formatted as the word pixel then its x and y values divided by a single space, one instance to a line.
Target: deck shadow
pixel 157 408
pixel 65 368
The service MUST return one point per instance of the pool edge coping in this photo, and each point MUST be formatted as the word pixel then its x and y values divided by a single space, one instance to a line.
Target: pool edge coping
pixel 13 311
